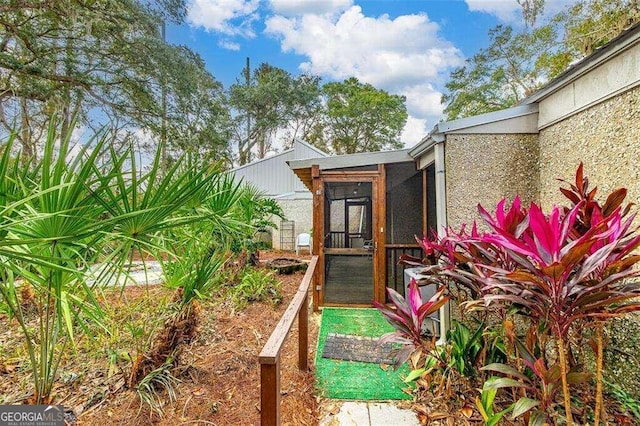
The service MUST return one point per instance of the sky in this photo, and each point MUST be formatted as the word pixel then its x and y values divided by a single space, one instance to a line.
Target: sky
pixel 406 47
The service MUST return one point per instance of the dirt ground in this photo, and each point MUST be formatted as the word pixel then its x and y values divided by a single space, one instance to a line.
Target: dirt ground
pixel 219 371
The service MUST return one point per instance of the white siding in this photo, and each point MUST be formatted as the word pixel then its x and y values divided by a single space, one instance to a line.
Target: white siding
pixel 273 175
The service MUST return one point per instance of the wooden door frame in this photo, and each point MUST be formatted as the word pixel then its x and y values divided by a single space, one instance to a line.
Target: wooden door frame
pixel 378 195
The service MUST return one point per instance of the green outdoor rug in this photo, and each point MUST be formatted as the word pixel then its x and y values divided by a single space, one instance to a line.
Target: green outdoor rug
pixel 367 381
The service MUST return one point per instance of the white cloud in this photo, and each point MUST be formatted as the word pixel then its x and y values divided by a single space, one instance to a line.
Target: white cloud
pixel 425 110
pixel 505 10
pixel 382 51
pixel 423 101
pixel 413 131
pixel 229 45
pixel 231 17
pixel 404 55
pixel 304 7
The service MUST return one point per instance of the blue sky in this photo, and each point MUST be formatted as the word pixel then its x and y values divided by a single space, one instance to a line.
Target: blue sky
pixel 405 47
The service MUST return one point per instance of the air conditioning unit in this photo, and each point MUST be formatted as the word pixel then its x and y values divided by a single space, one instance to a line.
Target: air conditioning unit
pixel 431 324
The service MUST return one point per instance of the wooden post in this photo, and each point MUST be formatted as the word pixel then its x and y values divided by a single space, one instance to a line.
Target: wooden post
pixel 270 394
pixel 269 357
pixel 303 335
pixel 380 232
pixel 318 233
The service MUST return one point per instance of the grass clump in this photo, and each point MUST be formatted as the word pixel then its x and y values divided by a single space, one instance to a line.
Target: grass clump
pixel 256 286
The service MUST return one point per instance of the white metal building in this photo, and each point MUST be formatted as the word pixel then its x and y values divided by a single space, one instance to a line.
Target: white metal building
pixel 273 176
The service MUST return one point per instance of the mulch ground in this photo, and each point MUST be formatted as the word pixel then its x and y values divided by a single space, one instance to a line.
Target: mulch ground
pixel 219 371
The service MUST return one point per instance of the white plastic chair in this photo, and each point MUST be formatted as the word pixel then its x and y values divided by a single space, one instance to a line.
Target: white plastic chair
pixel 303 240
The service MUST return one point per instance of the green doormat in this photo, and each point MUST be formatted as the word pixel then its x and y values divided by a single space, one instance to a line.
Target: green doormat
pixel 341 379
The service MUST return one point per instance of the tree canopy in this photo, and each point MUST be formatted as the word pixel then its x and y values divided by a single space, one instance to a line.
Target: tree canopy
pixel 106 63
pixel 361 118
pixel 516 63
pixel 339 117
pixel 272 100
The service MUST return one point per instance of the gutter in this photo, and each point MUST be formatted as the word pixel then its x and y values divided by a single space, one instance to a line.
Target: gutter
pixel 441 219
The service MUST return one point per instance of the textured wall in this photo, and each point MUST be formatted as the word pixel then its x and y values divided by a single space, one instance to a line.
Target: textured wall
pixel 485 168
pixel 300 211
pixel 605 137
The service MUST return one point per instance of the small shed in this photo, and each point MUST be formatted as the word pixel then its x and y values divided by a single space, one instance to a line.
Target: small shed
pixel 276 180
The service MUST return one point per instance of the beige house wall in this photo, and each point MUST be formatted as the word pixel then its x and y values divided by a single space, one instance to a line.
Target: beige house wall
pixel 610 78
pixel 300 211
pixel 605 137
pixel 484 168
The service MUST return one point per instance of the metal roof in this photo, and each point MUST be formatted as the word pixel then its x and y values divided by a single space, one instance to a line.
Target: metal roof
pixel 302 168
pixel 272 175
pixel 479 124
pixel 283 154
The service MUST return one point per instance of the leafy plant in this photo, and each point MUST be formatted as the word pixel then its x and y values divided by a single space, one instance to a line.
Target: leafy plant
pixel 628 403
pixel 466 348
pixel 158 379
pixel 192 277
pixel 542 382
pixel 558 271
pixel 485 404
pixel 407 317
pixel 256 286
pixel 67 214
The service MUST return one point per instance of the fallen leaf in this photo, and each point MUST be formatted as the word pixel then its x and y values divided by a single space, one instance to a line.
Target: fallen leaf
pixel 8 368
pixel 438 415
pixel 467 411
pixel 419 408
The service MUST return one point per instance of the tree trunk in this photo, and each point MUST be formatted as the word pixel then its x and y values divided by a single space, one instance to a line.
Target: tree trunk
pixel 565 385
pixel 599 357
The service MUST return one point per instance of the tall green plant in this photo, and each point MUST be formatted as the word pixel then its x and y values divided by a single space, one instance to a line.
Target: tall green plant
pixel 68 214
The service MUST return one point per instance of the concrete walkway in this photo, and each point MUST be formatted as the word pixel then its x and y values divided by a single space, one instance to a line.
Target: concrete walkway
pixel 360 413
pixel 136 273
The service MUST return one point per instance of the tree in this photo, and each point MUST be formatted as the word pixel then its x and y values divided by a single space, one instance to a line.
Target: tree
pixel 273 100
pixel 361 118
pixel 103 62
pixel 197 117
pixel 517 63
pixel 531 9
pixel 499 76
pixel 591 23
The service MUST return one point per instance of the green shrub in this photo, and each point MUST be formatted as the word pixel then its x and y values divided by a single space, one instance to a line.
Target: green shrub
pixel 256 286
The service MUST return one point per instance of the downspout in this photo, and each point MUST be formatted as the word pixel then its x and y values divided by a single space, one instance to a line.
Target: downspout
pixel 441 216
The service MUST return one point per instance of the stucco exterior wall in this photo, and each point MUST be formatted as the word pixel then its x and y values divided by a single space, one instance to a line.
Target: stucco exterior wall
pixel 299 211
pixel 605 137
pixel 484 169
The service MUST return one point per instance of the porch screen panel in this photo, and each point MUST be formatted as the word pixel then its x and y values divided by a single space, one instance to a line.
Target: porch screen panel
pixel 404 218
pixel 348 256
pixel 348 279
